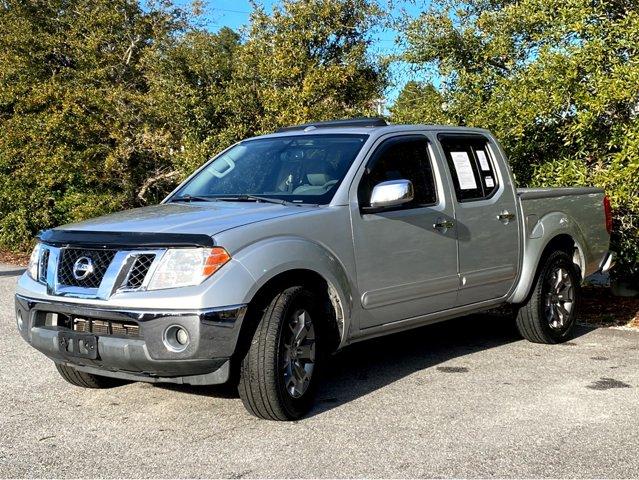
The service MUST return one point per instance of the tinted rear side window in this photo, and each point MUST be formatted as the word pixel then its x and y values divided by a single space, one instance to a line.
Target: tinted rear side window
pixel 471 166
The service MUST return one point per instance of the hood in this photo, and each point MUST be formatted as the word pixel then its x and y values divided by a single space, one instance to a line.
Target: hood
pixel 208 218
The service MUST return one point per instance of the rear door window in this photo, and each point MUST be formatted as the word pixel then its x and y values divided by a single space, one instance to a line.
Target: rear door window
pixel 471 166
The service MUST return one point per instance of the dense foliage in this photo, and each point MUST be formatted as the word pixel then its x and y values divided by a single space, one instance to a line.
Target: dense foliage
pixel 557 81
pixel 105 105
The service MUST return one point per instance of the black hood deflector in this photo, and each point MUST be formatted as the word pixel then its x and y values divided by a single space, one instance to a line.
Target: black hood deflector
pixel 133 240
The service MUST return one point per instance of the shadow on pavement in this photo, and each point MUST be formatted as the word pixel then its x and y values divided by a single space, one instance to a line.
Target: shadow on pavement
pixel 365 367
pixel 11 273
pixel 368 366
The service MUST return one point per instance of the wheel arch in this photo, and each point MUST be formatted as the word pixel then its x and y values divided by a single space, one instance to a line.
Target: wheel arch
pixel 278 263
pixel 555 231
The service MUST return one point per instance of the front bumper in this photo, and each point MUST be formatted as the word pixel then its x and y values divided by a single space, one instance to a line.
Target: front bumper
pixel 137 352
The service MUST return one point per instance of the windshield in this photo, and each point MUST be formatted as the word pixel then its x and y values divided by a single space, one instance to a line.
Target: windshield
pixel 300 169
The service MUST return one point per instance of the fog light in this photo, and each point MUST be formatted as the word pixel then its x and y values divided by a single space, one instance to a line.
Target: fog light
pixel 182 337
pixel 176 338
pixel 19 320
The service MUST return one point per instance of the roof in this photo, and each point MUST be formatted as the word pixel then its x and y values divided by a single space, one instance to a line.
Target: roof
pixel 376 130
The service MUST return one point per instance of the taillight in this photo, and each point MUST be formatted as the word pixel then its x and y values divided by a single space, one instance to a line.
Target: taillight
pixel 608 212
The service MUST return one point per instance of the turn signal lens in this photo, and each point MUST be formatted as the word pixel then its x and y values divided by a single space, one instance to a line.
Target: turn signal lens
pixel 216 259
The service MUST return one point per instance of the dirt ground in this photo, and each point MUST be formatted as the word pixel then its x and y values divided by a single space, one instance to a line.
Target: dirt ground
pixel 599 307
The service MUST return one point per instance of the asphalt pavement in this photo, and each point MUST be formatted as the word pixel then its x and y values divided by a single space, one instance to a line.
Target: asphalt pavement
pixel 465 398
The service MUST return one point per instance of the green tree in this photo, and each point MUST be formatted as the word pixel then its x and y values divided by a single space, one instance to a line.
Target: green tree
pixel 105 105
pixel 189 86
pixel 557 81
pixel 306 61
pixel 75 140
pixel 419 103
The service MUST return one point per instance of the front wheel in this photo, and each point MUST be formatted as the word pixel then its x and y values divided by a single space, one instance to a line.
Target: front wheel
pixel 278 375
pixel 550 313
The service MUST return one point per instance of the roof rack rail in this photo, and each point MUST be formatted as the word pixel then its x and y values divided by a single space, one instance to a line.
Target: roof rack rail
pixel 349 122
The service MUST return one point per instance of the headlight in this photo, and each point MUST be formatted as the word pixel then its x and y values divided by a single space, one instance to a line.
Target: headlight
pixel 34 262
pixel 181 267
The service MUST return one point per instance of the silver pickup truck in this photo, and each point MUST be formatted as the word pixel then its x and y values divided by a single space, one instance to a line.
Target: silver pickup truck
pixel 287 247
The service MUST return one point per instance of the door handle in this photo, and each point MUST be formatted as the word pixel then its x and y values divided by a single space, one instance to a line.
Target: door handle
pixel 442 224
pixel 505 216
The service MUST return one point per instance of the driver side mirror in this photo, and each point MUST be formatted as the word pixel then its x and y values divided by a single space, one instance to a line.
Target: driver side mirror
pixel 391 193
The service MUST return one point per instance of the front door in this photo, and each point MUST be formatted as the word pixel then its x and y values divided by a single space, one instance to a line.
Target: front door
pixel 486 215
pixel 406 257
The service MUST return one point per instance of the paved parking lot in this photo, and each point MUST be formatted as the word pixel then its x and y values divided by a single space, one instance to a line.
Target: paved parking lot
pixel 464 399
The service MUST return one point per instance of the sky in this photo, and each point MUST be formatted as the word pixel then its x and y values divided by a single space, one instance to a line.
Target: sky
pixel 235 14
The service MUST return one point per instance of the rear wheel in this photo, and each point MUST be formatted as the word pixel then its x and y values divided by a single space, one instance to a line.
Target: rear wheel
pixel 550 313
pixel 87 380
pixel 278 375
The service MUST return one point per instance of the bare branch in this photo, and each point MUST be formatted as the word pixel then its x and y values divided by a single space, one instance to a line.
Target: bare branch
pixel 155 179
pixel 129 51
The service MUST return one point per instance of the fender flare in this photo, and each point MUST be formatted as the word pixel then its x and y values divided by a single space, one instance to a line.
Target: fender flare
pixel 268 258
pixel 536 241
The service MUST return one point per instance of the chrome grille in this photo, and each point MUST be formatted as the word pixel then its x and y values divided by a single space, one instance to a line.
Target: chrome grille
pixel 106 327
pixel 68 256
pixel 103 273
pixel 138 271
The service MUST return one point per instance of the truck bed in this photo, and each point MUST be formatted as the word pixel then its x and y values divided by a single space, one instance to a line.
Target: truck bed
pixel 579 209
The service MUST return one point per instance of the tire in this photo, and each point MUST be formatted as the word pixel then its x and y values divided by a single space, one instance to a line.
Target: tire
pixel 268 385
pixel 550 312
pixel 87 380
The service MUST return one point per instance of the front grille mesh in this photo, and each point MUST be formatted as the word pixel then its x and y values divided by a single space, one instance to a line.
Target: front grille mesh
pixel 138 271
pixel 101 260
pixel 106 327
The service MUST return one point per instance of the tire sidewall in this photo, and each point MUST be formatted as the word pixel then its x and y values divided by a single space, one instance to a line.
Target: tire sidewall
pixel 559 259
pixel 297 407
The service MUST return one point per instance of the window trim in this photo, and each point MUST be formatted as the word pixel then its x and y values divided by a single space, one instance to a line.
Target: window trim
pixel 407 136
pixel 442 137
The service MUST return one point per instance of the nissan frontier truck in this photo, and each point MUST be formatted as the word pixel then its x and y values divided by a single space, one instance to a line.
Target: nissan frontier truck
pixel 287 247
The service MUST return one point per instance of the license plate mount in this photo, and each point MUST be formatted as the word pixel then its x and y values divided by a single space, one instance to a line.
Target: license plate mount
pixel 74 344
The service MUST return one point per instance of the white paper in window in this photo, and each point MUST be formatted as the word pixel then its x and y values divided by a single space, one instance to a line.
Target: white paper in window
pixel 490 183
pixel 464 170
pixel 483 161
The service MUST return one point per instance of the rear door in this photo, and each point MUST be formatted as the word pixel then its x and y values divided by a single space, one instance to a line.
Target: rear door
pixel 406 265
pixel 486 217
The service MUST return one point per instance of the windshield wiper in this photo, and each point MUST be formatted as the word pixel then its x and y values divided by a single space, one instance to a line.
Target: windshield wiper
pixel 253 198
pixel 191 198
